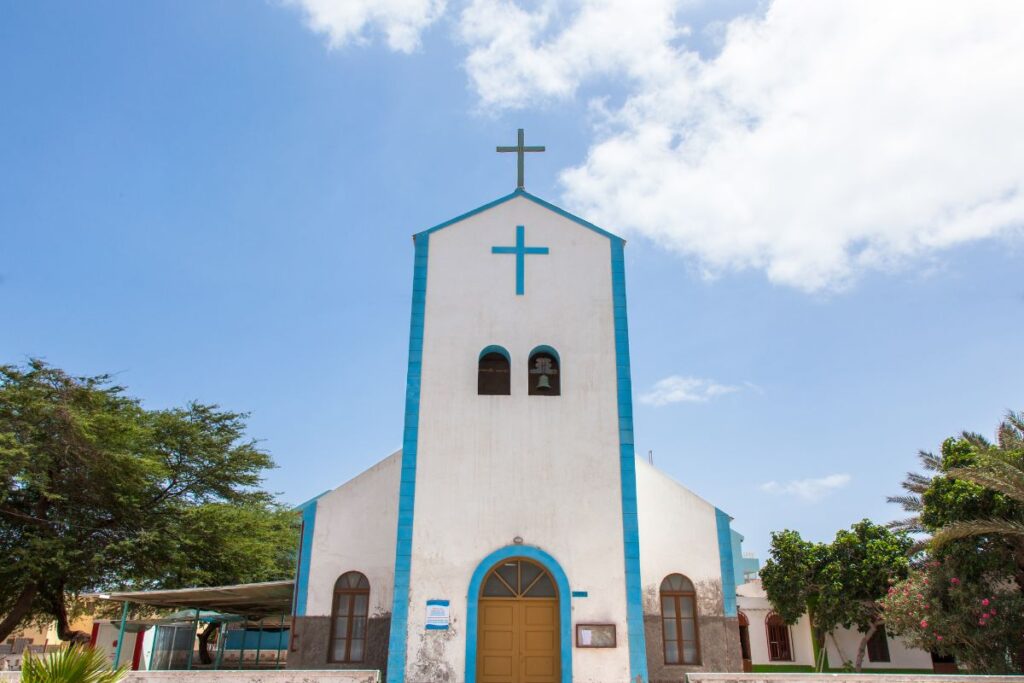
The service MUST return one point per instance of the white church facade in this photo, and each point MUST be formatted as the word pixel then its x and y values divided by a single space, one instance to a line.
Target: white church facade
pixel 515 537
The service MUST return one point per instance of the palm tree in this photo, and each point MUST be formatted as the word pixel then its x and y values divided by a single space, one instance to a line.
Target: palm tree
pixel 915 485
pixel 73 664
pixel 999 468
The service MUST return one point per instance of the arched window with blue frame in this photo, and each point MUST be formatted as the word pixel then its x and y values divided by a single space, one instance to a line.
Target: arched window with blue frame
pixel 545 372
pixel 494 372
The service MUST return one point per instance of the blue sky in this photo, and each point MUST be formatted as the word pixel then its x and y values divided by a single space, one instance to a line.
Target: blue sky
pixel 214 201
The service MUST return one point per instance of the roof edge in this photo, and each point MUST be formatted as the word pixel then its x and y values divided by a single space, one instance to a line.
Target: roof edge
pixel 533 198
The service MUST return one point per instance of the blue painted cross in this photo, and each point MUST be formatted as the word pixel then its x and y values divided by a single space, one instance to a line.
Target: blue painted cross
pixel 520 250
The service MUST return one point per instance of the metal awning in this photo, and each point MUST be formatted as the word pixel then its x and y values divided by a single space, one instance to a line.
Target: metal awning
pixel 272 598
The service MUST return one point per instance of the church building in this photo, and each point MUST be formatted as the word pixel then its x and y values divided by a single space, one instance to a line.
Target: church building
pixel 516 537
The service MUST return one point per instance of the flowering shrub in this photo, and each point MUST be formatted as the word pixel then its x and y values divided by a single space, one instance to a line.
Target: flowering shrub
pixel 981 623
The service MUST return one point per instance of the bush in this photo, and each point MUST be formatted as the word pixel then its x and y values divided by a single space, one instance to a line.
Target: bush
pixel 74 664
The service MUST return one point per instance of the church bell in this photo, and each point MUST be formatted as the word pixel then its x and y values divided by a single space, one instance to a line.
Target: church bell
pixel 543 383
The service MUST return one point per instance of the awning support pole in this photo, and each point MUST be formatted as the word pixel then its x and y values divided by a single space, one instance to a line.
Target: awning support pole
pixel 192 645
pixel 280 635
pixel 222 639
pixel 241 648
pixel 259 643
pixel 120 634
pixel 152 649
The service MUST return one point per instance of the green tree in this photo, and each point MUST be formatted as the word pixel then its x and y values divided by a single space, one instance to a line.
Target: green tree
pixel 837 584
pixel 973 492
pixel 969 511
pixel 99 493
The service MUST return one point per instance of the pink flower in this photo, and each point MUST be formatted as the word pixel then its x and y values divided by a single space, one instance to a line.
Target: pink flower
pixel 924 623
pixel 981 622
pixel 986 615
pixel 984 602
pixel 992 611
pixel 955 581
pixel 939 638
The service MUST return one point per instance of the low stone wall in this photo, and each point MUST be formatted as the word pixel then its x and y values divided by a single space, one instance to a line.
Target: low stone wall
pixel 238 677
pixel 698 677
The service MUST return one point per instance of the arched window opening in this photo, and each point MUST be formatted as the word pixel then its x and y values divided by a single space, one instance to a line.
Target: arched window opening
pixel 679 620
pixel 493 375
pixel 779 648
pixel 544 372
pixel 878 646
pixel 519 578
pixel 745 640
pixel 348 618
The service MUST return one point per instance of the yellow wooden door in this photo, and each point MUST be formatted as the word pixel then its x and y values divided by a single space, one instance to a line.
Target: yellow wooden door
pixel 538 642
pixel 518 630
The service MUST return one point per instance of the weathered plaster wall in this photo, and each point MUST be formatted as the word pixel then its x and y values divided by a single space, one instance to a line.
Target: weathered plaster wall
pixel 679 535
pixel 237 677
pixel 700 677
pixel 311 644
pixel 900 656
pixel 354 531
pixel 753 603
pixel 491 468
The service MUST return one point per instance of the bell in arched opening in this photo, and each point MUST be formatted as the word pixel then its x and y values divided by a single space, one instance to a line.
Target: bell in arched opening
pixel 544 374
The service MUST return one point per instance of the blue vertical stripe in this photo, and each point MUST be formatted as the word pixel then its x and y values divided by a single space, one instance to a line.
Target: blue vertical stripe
pixel 726 561
pixel 627 470
pixel 407 488
pixel 305 558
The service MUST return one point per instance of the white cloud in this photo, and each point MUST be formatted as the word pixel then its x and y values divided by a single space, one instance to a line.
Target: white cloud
pixel 349 21
pixel 511 63
pixel 826 139
pixel 677 389
pixel 810 490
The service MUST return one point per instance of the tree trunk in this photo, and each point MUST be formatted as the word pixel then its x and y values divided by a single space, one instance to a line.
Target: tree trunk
pixel 839 650
pixel 204 642
pixel 22 606
pixel 56 599
pixel 862 648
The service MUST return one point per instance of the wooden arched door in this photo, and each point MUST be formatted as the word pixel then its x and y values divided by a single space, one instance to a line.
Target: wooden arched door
pixel 518 636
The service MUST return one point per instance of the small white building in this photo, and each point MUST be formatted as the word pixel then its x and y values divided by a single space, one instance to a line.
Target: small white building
pixel 515 537
pixel 768 644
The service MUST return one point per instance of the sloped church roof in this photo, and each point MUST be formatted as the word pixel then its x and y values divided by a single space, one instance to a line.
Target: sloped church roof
pixel 533 198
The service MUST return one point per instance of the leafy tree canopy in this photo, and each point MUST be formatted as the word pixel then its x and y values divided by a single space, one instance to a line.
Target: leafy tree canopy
pixel 838 584
pixel 99 493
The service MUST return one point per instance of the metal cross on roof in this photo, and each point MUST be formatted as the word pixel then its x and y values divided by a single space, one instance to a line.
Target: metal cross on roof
pixel 520 149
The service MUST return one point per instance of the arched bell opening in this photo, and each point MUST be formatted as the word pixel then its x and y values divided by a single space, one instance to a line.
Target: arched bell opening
pixel 545 374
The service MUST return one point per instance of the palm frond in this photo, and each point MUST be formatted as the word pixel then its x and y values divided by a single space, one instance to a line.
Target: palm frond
pixel 976 440
pixel 978 527
pixel 930 461
pixel 912 525
pixel 74 664
pixel 915 481
pixel 909 503
pixel 1011 431
pixel 996 473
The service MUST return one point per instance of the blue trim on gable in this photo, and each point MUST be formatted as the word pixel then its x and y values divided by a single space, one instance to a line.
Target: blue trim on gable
pixel 535 200
pixel 494 348
pixel 725 559
pixel 304 559
pixel 575 219
pixel 627 471
pixel 564 608
pixel 464 216
pixel 407 488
